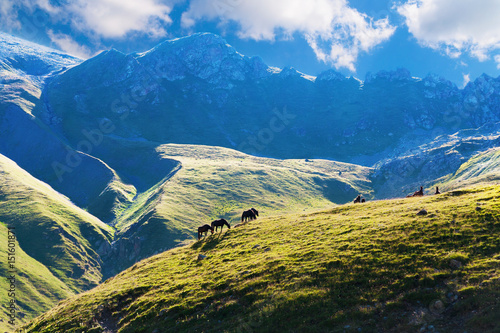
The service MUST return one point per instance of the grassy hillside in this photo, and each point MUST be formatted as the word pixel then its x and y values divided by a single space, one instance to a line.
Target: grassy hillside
pixel 57 242
pixel 483 168
pixel 37 289
pixel 214 182
pixel 367 267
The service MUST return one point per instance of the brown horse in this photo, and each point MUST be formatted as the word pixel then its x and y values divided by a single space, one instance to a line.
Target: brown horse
pixel 204 229
pixel 250 214
pixel 419 193
pixel 359 199
pixel 220 223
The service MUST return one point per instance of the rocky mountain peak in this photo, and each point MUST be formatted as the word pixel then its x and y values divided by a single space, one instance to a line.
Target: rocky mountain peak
pixel 203 55
pixel 331 75
pixel 401 74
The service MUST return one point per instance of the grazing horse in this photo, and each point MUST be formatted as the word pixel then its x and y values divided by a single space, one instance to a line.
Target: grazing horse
pixel 220 223
pixel 437 190
pixel 419 193
pixel 250 214
pixel 204 229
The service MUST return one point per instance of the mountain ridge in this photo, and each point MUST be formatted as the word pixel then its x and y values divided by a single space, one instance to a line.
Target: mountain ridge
pixel 155 143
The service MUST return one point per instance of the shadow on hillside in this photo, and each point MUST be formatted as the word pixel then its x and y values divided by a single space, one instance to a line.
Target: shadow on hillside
pixel 336 191
pixel 210 242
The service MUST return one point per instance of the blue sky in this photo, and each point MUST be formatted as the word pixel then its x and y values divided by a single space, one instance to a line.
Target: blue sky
pixel 456 39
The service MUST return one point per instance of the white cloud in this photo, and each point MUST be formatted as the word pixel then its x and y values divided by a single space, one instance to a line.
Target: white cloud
pixel 68 45
pixel 336 32
pixel 116 18
pixel 455 26
pixel 497 60
pixel 8 15
pixel 99 18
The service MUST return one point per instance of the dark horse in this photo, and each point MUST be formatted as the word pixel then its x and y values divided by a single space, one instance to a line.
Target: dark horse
pixel 359 199
pixel 419 193
pixel 250 214
pixel 204 229
pixel 220 223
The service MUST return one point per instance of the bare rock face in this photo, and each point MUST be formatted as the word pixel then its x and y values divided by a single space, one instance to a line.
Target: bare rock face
pixel 205 56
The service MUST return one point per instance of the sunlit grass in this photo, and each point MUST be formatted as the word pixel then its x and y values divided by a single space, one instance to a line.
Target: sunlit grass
pixel 214 182
pixel 375 266
pixel 56 242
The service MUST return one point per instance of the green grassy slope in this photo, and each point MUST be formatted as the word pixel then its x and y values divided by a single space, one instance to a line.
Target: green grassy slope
pixel 376 267
pixel 51 229
pixel 36 289
pixel 57 241
pixel 482 168
pixel 215 182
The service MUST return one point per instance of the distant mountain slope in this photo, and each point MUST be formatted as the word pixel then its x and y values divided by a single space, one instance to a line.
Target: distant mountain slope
pixel 214 183
pixel 51 229
pixel 24 69
pixel 199 90
pixel 439 162
pixel 375 267
pixel 482 168
pixel 106 115
pixel 32 59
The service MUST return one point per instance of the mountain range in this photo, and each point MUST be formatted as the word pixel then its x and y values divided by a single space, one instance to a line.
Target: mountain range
pixel 122 156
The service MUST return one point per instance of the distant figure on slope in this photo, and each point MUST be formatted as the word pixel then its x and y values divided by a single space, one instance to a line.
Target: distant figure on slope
pixel 204 229
pixel 220 223
pixel 250 214
pixel 437 190
pixel 419 193
pixel 359 199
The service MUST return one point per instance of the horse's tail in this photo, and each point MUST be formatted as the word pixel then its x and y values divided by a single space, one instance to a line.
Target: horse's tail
pixel 242 216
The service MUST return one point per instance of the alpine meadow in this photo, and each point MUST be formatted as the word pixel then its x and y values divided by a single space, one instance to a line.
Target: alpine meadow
pixel 376 202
